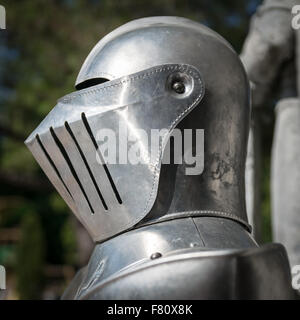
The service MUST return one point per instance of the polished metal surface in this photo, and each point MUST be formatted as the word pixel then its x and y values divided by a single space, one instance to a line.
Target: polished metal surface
pixel 258 273
pixel 252 273
pixel 146 42
pixel 224 111
pixel 162 233
pixel 104 197
pixel 136 247
pixel 150 192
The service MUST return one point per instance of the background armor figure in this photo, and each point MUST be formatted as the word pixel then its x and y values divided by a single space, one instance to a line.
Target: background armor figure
pixel 271 56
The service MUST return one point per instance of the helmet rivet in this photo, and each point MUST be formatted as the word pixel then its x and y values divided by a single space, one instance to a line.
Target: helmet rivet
pixel 193 244
pixel 178 87
pixel 155 255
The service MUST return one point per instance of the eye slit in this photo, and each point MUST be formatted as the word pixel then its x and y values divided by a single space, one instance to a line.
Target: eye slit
pixel 90 83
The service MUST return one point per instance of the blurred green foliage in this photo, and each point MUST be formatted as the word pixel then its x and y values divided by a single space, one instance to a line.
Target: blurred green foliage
pixel 266 203
pixel 30 258
pixel 41 53
pixel 69 243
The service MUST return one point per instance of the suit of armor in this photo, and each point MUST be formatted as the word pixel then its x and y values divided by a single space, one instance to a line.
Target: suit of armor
pixel 163 230
pixel 271 56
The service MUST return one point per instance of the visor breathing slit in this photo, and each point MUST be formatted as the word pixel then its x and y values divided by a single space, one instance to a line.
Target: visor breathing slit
pixel 52 164
pixel 90 133
pixel 86 164
pixel 68 161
